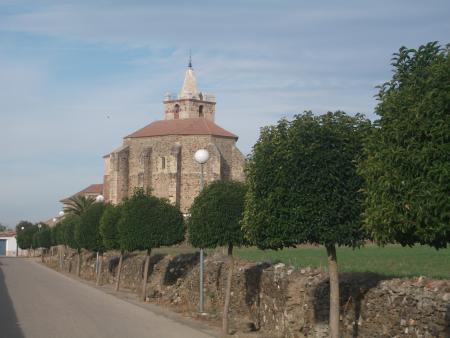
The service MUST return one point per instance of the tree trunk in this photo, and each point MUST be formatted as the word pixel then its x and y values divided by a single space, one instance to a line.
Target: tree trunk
pixel 119 270
pixel 226 306
pixel 145 277
pixel 334 291
pixel 99 269
pixel 42 255
pixel 63 249
pixel 79 263
pixel 96 264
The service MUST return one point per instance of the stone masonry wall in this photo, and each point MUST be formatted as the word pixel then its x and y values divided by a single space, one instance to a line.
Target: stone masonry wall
pixel 165 166
pixel 278 301
pixel 189 108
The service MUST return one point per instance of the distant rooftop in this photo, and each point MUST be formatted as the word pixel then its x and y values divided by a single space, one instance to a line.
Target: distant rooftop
pixel 8 233
pixel 92 189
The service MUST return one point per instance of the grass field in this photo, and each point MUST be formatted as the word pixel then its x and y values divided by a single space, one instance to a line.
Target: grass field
pixel 392 260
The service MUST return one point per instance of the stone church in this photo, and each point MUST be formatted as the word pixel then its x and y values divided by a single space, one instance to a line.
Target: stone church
pixel 160 156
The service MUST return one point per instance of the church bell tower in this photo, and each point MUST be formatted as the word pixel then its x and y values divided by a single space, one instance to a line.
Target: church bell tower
pixel 190 103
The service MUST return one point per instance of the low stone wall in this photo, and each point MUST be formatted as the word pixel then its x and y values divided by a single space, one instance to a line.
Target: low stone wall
pixel 278 301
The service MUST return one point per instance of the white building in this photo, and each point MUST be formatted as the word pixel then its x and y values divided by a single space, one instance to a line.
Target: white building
pixel 8 243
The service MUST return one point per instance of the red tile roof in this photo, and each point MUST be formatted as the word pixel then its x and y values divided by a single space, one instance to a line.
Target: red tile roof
pixel 194 126
pixel 7 233
pixel 92 189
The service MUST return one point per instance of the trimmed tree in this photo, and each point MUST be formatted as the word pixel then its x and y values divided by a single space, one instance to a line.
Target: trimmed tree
pixel 35 240
pixel 54 235
pixel 44 239
pixel 87 233
pixel 149 222
pixel 57 232
pixel 67 236
pixel 407 167
pixel 215 221
pixel 303 188
pixel 110 234
pixel 25 235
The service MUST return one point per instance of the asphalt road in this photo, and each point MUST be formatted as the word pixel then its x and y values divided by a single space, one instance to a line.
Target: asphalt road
pixel 37 302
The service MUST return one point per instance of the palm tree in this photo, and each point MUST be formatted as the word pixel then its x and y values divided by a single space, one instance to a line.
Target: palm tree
pixel 77 205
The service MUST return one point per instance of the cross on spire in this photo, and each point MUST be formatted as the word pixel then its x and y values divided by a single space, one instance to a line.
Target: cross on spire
pixel 190 59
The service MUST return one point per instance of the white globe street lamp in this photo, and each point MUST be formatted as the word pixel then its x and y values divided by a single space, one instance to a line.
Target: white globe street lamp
pixel 201 156
pixel 99 199
pixel 61 213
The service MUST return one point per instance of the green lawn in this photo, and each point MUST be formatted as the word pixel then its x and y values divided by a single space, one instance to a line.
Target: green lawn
pixel 392 260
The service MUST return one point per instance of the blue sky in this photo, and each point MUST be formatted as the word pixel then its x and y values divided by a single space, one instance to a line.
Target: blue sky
pixel 67 65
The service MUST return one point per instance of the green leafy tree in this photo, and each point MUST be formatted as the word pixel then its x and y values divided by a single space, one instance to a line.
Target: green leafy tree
pixel 65 235
pixel 148 222
pixel 303 187
pixel 24 233
pixel 42 239
pixel 45 238
pixel 35 240
pixel 87 233
pixel 54 234
pixel 3 227
pixel 110 235
pixel 77 205
pixel 87 230
pixel 69 224
pixel 407 167
pixel 215 221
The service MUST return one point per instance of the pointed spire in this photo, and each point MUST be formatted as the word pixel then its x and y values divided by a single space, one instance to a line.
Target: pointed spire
pixel 189 89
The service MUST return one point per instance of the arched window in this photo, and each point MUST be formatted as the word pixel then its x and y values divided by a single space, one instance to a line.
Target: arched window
pixel 200 111
pixel 176 112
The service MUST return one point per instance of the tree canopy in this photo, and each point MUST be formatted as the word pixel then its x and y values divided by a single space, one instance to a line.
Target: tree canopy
pixel 25 235
pixel 407 167
pixel 43 237
pixel 302 182
pixel 216 214
pixel 108 227
pixel 303 187
pixel 66 231
pixel 149 222
pixel 87 229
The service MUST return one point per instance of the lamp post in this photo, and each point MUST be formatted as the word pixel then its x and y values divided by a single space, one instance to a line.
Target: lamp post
pixel 60 248
pixel 42 249
pixel 98 199
pixel 201 156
